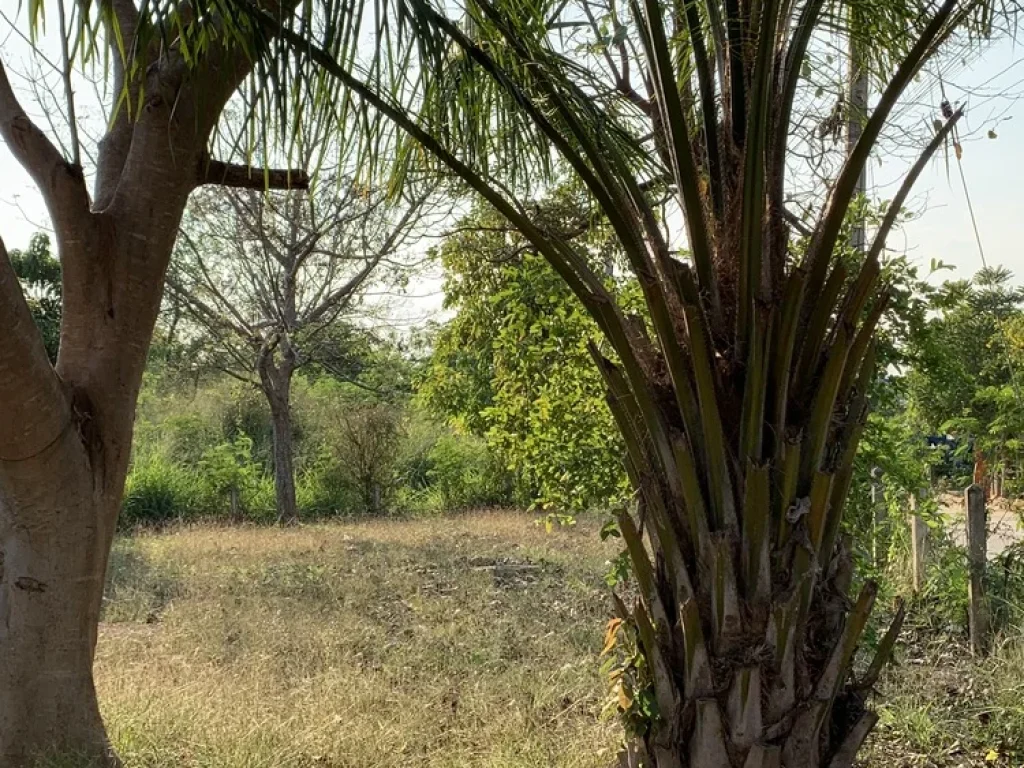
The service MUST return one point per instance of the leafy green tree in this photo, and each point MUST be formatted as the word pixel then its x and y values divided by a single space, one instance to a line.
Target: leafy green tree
pixel 959 354
pixel 513 363
pixel 39 272
pixel 966 379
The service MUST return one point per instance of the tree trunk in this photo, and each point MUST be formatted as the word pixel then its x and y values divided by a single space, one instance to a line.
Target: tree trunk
pixel 55 535
pixel 277 387
pixel 66 431
pixel 284 465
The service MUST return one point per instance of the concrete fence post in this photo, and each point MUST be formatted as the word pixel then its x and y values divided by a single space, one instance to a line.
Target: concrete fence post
pixel 977 544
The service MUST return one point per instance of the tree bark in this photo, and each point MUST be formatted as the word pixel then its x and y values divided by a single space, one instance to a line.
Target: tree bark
pixel 56 526
pixel 276 382
pixel 284 466
pixel 61 483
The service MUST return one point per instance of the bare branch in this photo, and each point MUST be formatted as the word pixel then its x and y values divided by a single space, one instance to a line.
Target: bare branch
pixel 69 91
pixel 250 177
pixel 211 317
pixel 908 182
pixel 33 407
pixel 797 223
pixel 60 182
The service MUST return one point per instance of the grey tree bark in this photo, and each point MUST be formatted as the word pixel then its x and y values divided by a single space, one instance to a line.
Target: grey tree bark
pixel 276 383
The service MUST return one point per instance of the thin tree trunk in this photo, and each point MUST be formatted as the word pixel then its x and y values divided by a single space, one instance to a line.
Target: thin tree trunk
pixel 277 386
pixel 284 465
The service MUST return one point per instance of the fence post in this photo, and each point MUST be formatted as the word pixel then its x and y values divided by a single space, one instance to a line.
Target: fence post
pixel 918 544
pixel 977 540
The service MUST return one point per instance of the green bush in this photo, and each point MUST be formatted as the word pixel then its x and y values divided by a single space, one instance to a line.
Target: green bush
pixel 158 491
pixel 187 436
pixel 365 444
pixel 1004 584
pixel 258 500
pixel 324 490
pixel 466 474
pixel 441 470
pixel 206 454
pixel 228 478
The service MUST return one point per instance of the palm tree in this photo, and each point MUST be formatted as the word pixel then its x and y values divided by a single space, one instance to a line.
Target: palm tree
pixel 741 394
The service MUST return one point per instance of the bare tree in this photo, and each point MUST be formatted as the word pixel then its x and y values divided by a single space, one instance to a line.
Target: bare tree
pixel 268 278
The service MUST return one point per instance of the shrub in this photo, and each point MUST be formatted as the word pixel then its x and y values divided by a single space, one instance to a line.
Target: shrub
pixel 324 489
pixel 259 500
pixel 1004 579
pixel 366 446
pixel 466 474
pixel 230 480
pixel 443 470
pixel 195 456
pixel 158 491
pixel 187 436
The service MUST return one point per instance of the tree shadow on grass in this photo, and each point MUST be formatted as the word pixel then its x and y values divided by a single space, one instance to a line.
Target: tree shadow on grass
pixel 137 590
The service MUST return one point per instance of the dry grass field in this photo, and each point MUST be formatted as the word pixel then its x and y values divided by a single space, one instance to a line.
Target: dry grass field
pixel 468 641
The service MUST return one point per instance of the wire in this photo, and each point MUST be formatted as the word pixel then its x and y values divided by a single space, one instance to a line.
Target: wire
pixel 963 179
pixel 970 206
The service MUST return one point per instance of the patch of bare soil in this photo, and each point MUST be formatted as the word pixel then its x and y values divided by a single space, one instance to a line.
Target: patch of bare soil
pixel 1004 522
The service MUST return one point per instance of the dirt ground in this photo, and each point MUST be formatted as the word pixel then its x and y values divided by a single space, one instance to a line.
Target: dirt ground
pixel 1004 527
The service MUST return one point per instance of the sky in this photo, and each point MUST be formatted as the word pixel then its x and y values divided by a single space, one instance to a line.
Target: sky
pixel 991 87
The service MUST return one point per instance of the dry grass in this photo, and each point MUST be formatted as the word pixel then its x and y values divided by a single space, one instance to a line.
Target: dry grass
pixel 467 642
pixel 462 642
pixel 942 708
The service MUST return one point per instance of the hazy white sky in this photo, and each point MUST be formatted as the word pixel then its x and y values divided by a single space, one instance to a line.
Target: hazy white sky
pixel 990 88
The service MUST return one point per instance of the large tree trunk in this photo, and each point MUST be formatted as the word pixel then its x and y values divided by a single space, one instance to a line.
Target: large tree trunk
pixel 62 478
pixel 279 399
pixel 55 534
pixel 67 429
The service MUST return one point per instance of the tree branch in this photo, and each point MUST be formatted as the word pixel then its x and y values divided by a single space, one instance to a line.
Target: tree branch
pixel 127 15
pixel 60 183
pixel 33 407
pixel 114 146
pixel 797 223
pixel 819 252
pixel 199 307
pixel 249 177
pixel 901 196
